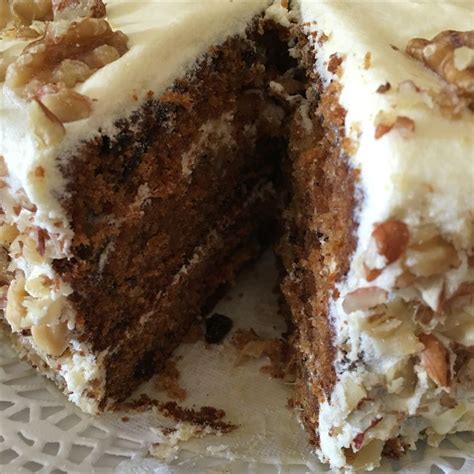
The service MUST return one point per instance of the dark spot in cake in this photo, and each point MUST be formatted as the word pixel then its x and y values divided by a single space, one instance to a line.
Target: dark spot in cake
pixel 384 88
pixel 217 328
pixel 394 47
pixel 84 252
pixel 125 419
pixel 146 365
pixel 105 144
pixel 249 57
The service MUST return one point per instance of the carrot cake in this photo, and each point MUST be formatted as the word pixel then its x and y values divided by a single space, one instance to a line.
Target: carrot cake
pixel 148 148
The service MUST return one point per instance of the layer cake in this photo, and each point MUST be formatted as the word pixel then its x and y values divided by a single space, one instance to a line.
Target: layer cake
pixel 148 149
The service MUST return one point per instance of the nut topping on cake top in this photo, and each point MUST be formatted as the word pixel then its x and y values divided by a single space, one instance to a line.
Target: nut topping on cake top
pixel 73 46
pixel 450 54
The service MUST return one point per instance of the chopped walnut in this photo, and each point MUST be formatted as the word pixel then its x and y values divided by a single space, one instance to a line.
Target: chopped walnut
pixel 435 359
pixel 72 9
pixel 101 56
pixel 8 233
pixel 51 339
pixel 68 105
pixel 26 33
pixel 5 13
pixel 440 56
pixel 70 72
pixel 392 238
pixel 15 311
pixel 5 60
pixel 405 126
pixel 364 298
pixel 67 53
pixel 432 257
pixel 27 11
pixel 80 38
pixel 46 127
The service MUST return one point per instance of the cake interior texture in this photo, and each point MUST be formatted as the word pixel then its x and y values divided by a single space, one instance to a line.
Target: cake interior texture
pixel 103 274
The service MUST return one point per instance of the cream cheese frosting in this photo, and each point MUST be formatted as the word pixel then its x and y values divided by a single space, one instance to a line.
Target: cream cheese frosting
pixel 423 176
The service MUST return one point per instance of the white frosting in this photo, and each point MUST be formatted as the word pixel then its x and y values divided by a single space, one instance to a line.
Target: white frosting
pixel 424 178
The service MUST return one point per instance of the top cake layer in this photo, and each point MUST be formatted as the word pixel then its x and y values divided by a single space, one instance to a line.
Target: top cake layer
pixel 163 41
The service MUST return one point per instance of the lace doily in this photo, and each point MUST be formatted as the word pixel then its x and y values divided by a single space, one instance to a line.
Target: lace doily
pixel 40 431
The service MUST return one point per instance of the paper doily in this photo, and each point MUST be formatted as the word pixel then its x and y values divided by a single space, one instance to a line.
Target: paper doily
pixel 40 431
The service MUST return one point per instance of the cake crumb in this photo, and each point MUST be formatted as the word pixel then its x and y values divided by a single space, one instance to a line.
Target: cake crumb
pixel 183 100
pixel 384 88
pixel 168 381
pixel 405 125
pixel 367 60
pixel 334 63
pixel 204 417
pixel 217 328
pixel 278 351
